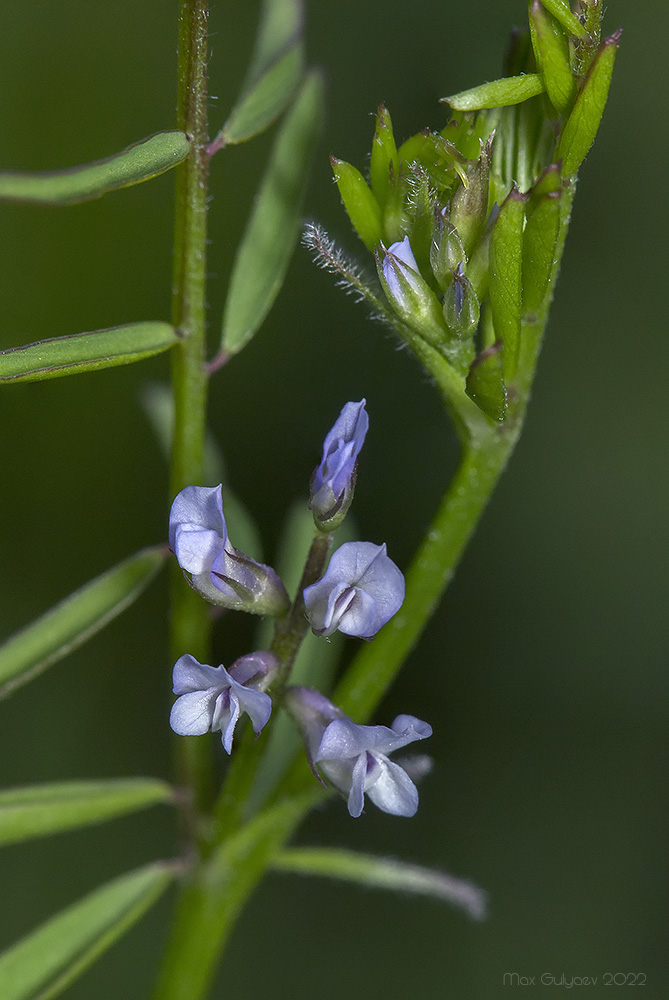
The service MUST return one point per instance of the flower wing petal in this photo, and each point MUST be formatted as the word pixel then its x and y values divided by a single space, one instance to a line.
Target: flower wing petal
pixel 192 713
pixel 393 791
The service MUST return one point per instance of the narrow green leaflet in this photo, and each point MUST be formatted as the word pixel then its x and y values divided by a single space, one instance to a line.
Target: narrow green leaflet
pixel 48 960
pixel 498 94
pixel 39 810
pixel 274 75
pixel 85 352
pixel 506 255
pixel 70 623
pixel 382 873
pixel 562 12
pixel 139 162
pixel 583 122
pixel 267 246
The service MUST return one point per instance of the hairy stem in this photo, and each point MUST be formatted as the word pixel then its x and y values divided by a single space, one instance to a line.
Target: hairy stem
pixel 190 625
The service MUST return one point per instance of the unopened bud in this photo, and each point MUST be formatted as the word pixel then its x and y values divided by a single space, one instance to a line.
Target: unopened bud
pixel 409 294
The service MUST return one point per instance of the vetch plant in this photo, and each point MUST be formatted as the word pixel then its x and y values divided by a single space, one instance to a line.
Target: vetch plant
pixel 464 226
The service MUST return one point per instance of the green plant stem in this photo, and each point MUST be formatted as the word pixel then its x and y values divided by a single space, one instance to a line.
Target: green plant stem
pixel 288 635
pixel 216 892
pixel 190 623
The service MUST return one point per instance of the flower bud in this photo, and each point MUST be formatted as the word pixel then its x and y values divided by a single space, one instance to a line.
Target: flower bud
pixel 409 294
pixel 461 306
pixel 469 208
pixel 219 572
pixel 446 251
pixel 333 482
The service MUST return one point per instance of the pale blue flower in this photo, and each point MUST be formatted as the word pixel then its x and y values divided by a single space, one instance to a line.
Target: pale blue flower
pixel 220 572
pixel 354 757
pixel 360 591
pixel 333 482
pixel 212 698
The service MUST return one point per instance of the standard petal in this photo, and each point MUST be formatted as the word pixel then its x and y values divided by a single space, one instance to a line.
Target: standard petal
pixel 344 738
pixel 392 789
pixel 190 675
pixel 192 713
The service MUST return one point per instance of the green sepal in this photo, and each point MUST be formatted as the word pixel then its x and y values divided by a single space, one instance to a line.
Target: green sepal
pixel 540 241
pixel 585 49
pixel 552 50
pixel 86 352
pixel 74 620
pixel 464 132
pixel 40 810
pixel 382 873
pixel 274 75
pixel 469 207
pixel 45 962
pixel 384 164
pixel 498 93
pixel 140 162
pixel 463 320
pixel 419 216
pixel 361 206
pixel 485 382
pixel 263 256
pixel 583 122
pixel 562 12
pixel 505 290
pixel 446 252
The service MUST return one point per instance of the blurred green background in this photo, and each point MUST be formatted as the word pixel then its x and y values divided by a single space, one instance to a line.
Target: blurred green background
pixel 544 671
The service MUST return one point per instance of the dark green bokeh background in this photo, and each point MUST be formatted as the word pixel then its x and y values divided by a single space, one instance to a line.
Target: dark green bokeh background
pixel 544 671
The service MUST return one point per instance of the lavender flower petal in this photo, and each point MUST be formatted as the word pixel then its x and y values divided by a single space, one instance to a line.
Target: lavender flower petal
pixel 210 698
pixel 360 591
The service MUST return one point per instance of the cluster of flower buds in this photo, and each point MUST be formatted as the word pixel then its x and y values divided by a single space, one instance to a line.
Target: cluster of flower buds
pixel 357 594
pixel 466 223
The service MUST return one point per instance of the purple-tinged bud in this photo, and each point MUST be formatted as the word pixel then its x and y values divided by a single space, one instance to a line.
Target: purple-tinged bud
pixel 211 699
pixel 360 591
pixel 333 482
pixel 219 572
pixel 408 293
pixel 469 208
pixel 354 758
pixel 461 306
pixel 446 251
